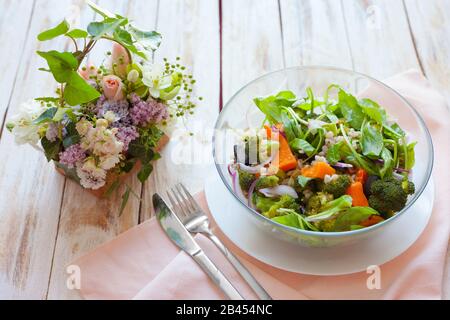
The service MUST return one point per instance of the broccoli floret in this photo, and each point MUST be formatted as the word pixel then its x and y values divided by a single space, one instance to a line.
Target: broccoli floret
pixel 338 186
pixel 269 206
pixel 245 180
pixel 325 225
pixel 317 201
pixel 389 195
pixel 267 182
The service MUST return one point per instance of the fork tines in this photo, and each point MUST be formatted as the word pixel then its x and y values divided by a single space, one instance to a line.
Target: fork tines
pixel 180 198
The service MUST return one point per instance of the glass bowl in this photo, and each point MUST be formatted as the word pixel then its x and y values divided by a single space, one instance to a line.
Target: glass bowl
pixel 240 113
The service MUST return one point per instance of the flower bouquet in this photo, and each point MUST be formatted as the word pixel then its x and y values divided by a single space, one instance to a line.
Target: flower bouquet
pixel 105 121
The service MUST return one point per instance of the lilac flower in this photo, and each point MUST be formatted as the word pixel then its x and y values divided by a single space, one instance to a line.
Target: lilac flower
pixel 120 109
pixel 52 132
pixel 145 112
pixel 72 155
pixel 126 135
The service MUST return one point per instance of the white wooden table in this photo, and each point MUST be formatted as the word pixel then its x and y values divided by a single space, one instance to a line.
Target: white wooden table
pixel 46 221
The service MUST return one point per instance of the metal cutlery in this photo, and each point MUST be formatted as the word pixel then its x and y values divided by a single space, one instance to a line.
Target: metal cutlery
pixel 178 233
pixel 196 221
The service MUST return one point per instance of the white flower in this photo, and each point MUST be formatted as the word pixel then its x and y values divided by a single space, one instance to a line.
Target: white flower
pixel 23 128
pixel 83 126
pixel 91 176
pixel 109 161
pixel 110 116
pixel 153 77
pixel 133 76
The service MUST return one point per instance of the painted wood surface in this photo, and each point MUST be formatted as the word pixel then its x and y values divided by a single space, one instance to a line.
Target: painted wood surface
pixel 47 221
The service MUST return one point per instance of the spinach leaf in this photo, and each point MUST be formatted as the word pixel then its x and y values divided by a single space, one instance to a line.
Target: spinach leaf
pixel 410 159
pixel 353 216
pixel 350 109
pixel 303 181
pixel 388 164
pixel 373 110
pixel 270 108
pixel 393 131
pixel 371 140
pixel 300 144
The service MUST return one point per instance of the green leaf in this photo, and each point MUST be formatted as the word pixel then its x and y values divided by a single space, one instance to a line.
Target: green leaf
pixel 78 91
pixel 290 128
pixel 334 153
pixel 51 149
pixel 330 209
pixel 129 165
pixel 112 188
pixel 144 173
pixel 99 29
pixel 123 36
pixel 61 64
pixel 388 164
pixel 125 198
pixel 411 159
pixel 300 144
pixel 77 33
pixel 371 141
pixel 72 137
pixel 57 31
pixel 169 93
pixel 150 40
pixel 46 116
pixel 270 108
pixel 103 12
pixel 351 110
pixel 373 110
pixel 393 131
pixel 303 181
pixel 353 216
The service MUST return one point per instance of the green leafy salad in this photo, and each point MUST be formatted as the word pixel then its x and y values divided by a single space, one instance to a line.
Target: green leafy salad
pixel 323 164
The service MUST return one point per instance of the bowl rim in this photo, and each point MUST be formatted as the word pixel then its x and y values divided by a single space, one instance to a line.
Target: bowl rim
pixel 335 234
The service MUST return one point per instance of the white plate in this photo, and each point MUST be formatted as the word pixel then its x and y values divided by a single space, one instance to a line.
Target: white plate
pixel 235 222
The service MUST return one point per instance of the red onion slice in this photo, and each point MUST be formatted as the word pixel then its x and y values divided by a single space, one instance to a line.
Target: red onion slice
pixel 279 191
pixel 342 165
pixel 250 194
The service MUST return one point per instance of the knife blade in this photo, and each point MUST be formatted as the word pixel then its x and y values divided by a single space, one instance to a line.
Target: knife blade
pixel 179 235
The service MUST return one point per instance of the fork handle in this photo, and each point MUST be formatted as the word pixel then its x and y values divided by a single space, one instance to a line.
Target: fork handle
pixel 243 271
pixel 217 276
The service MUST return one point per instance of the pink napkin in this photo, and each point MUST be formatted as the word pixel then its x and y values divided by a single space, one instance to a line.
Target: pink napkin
pixel 143 264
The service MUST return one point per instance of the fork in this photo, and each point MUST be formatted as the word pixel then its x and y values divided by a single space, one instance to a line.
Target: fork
pixel 196 221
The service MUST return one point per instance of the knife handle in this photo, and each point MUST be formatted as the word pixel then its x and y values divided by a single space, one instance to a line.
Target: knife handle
pixel 252 282
pixel 216 276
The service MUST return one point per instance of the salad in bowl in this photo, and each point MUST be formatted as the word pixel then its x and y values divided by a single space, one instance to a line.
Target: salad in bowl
pixel 322 164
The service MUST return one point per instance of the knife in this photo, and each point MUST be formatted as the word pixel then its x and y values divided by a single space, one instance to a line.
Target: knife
pixel 177 232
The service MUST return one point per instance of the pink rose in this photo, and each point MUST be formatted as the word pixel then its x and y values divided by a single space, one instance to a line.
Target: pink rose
pixel 88 71
pixel 120 59
pixel 112 87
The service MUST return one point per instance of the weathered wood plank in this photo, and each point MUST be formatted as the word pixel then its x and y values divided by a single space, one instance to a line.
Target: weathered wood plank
pixel 86 221
pixel 190 30
pixel 379 37
pixel 31 189
pixel 430 26
pixel 314 33
pixel 14 26
pixel 251 42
